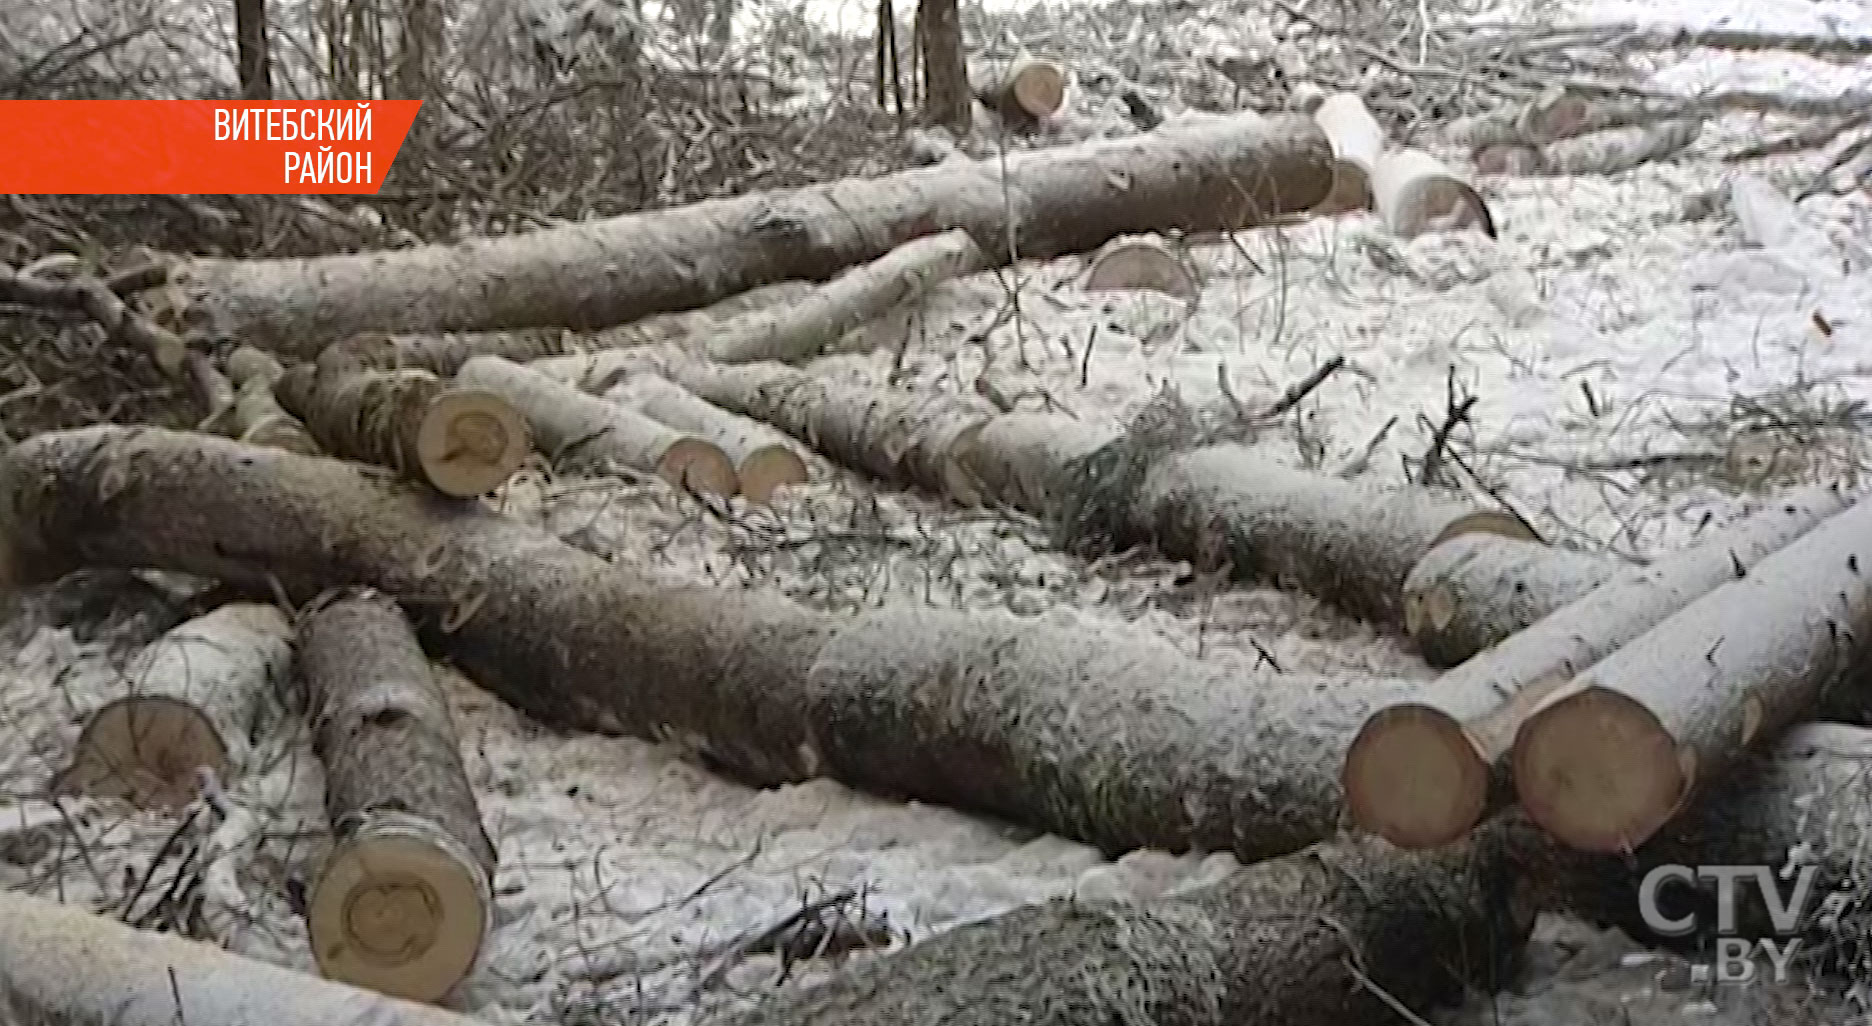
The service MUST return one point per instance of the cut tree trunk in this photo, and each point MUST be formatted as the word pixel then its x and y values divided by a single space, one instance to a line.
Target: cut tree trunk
pixel 1554 115
pixel 1207 175
pixel 461 442
pixel 1329 936
pixel 795 331
pixel 1415 193
pixel 1424 772
pixel 1141 264
pixel 60 966
pixel 1025 95
pixel 194 698
pixel 1477 590
pixel 1110 737
pixel 257 416
pixel 584 431
pixel 1605 761
pixel 1612 150
pixel 764 459
pixel 404 900
pixel 1357 140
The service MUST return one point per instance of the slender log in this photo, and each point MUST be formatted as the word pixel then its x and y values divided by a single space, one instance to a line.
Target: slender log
pixel 764 459
pixel 1357 141
pixel 795 331
pixel 1416 193
pixel 1476 590
pixel 1424 772
pixel 1024 96
pixel 60 966
pixel 1329 936
pixel 587 431
pixel 404 900
pixel 1111 737
pixel 213 391
pixel 461 442
pixel 1611 150
pixel 442 354
pixel 193 698
pixel 1605 761
pixel 257 416
pixel 1205 174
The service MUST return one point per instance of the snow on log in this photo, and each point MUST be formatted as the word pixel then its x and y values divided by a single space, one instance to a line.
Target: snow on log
pixel 1200 174
pixel 1423 772
pixel 61 966
pixel 1141 264
pixel 764 459
pixel 1344 932
pixel 797 330
pixel 1413 192
pixel 586 431
pixel 461 442
pixel 1476 590
pixel 1357 141
pixel 1607 759
pixel 191 700
pixel 1111 737
pixel 257 416
pixel 404 900
pixel 1029 92
pixel 1611 150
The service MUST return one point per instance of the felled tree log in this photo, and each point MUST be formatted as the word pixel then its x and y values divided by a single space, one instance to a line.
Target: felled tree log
pixel 404 900
pixel 1424 772
pixel 1207 174
pixel 257 416
pixel 1558 114
pixel 1111 737
pixel 60 966
pixel 586 431
pixel 797 330
pixel 194 696
pixel 1026 94
pixel 1609 151
pixel 1606 760
pixel 1413 192
pixel 1357 140
pixel 1474 591
pixel 764 459
pixel 1324 937
pixel 1141 264
pixel 461 442
pixel 440 354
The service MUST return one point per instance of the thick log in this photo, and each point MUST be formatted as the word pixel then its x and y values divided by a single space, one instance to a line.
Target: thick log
pixel 1424 772
pixel 404 900
pixel 1605 761
pixel 257 416
pixel 1026 94
pixel 1207 174
pixel 1111 737
pixel 60 966
pixel 585 431
pixel 1325 937
pixel 764 459
pixel 1357 140
pixel 194 696
pixel 797 330
pixel 1413 192
pixel 461 442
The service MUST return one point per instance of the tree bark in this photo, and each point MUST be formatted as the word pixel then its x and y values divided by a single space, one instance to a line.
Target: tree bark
pixel 195 696
pixel 1475 590
pixel 461 442
pixel 587 432
pixel 1424 772
pixel 1415 193
pixel 404 901
pixel 253 60
pixel 60 966
pixel 1319 938
pixel 1110 737
pixel 947 99
pixel 796 331
pixel 1357 140
pixel 1213 174
pixel 441 354
pixel 764 459
pixel 1607 760
pixel 257 416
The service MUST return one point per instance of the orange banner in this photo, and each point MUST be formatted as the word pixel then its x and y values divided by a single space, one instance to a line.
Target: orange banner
pixel 121 147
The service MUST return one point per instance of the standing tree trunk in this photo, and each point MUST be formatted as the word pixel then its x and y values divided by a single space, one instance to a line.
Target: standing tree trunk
pixel 419 49
pixel 250 40
pixel 947 99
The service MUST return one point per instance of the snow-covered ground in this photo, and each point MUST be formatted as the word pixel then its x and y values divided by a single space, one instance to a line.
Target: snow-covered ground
pixel 1604 327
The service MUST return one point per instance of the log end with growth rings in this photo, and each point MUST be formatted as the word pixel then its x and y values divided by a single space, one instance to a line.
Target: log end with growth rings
pixel 398 911
pixel 470 441
pixel 1141 264
pixel 147 750
pixel 768 468
pixel 1599 772
pixel 1415 777
pixel 691 464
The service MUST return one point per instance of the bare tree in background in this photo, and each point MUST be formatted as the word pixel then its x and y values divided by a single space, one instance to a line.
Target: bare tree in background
pixel 419 45
pixel 250 40
pixel 947 100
